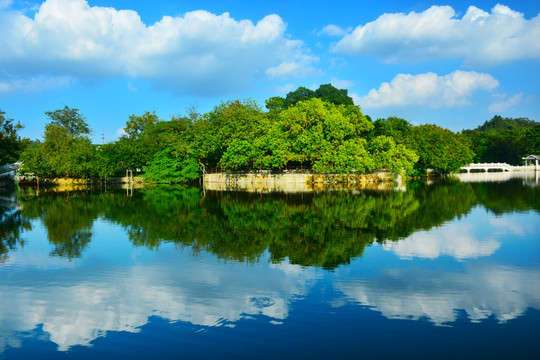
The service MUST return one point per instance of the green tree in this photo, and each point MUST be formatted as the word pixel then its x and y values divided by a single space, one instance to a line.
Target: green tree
pixel 66 149
pixel 388 155
pixel 331 94
pixel 176 158
pixel 10 142
pixel 439 149
pixel 232 135
pixel 70 120
pixel 300 94
pixel 498 123
pixel 505 140
pixel 137 125
pixel 325 92
pixel 398 129
pixel 136 148
pixel 276 103
pixel 318 133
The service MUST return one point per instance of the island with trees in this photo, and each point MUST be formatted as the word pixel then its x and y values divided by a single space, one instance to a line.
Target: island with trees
pixel 321 130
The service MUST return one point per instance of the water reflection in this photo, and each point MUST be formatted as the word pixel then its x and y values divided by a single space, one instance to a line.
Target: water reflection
pixel 324 229
pixel 482 291
pixel 457 240
pixel 77 266
pixel 76 307
pixel 529 178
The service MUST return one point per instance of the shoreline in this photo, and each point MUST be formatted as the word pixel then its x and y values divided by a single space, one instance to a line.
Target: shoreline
pixel 301 182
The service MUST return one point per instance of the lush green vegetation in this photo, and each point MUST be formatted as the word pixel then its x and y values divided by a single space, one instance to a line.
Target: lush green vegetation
pixel 10 142
pixel 505 140
pixel 324 229
pixel 321 130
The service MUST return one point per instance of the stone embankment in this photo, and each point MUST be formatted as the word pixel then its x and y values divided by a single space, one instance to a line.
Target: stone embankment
pixel 73 184
pixel 300 182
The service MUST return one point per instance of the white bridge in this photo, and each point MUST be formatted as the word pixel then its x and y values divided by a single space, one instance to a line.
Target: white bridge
pixel 497 167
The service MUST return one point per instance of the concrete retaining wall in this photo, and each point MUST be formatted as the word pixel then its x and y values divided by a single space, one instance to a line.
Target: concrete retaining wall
pixel 298 182
pixel 75 184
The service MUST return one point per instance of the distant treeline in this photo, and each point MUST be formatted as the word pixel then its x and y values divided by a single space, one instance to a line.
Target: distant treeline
pixel 320 130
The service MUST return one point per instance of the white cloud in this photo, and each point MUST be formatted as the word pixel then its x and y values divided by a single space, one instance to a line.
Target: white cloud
pixel 333 30
pixel 503 105
pixel 429 89
pixel 357 99
pixel 285 89
pixel 481 291
pixel 455 240
pixel 5 4
pixel 120 132
pixel 504 225
pixel 75 308
pixel 284 69
pixel 199 52
pixel 479 38
pixel 35 84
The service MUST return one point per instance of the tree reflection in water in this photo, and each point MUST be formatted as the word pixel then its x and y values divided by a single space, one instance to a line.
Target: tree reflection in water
pixel 325 229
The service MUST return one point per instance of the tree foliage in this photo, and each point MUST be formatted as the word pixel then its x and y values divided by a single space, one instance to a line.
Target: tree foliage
pixel 176 158
pixel 391 156
pixel 10 142
pixel 439 149
pixel 498 123
pixel 324 135
pixel 318 129
pixel 66 149
pixel 394 127
pixel 70 120
pixel 325 92
pixel 505 140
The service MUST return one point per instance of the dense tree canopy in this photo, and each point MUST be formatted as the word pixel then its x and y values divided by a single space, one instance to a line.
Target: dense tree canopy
pixel 70 120
pixel 66 149
pixel 10 142
pixel 321 130
pixel 325 92
pixel 498 123
pixel 439 149
pixel 505 140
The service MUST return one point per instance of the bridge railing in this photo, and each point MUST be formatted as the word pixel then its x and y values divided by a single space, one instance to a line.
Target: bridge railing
pixel 488 164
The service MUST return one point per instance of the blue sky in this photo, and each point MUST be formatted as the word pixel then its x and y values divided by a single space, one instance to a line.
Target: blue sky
pixel 453 63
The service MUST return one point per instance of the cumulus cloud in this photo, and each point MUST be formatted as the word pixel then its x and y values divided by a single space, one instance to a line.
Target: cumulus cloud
pixel 503 105
pixel 479 38
pixel 429 89
pixel 333 30
pixel 199 52
pixel 455 240
pixel 75 308
pixel 4 4
pixel 481 291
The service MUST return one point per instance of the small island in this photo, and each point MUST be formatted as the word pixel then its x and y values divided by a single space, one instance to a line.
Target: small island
pixel 318 132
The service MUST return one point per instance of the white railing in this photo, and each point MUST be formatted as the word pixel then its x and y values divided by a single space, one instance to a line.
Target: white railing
pixel 500 166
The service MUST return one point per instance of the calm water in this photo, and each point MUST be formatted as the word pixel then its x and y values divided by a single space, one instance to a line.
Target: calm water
pixel 446 270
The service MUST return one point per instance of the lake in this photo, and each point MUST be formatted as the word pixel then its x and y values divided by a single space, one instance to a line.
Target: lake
pixel 442 270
